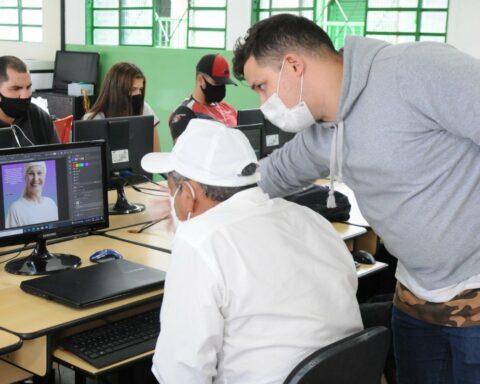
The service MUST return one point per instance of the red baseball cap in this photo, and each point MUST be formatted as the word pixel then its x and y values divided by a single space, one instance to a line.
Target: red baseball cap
pixel 215 66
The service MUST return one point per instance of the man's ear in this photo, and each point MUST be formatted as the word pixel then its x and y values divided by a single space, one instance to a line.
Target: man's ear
pixel 295 63
pixel 200 80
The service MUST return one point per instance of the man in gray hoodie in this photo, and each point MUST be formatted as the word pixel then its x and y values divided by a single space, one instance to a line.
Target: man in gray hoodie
pixel 400 125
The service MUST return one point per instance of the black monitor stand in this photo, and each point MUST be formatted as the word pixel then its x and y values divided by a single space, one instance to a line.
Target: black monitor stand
pixel 42 262
pixel 122 205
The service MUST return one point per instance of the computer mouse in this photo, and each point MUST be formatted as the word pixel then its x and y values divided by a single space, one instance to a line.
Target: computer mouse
pixel 363 257
pixel 105 255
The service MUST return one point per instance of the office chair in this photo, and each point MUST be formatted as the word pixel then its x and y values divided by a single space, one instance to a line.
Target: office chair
pixel 64 128
pixel 358 359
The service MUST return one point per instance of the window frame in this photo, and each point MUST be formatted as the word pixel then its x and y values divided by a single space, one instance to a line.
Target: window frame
pixel 20 8
pixel 321 13
pixel 90 26
pixel 191 9
pixel 419 9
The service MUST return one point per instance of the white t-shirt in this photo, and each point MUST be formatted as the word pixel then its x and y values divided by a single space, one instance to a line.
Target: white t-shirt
pixel 147 111
pixel 254 286
pixel 27 212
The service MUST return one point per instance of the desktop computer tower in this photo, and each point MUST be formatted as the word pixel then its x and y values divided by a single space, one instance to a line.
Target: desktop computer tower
pixel 61 105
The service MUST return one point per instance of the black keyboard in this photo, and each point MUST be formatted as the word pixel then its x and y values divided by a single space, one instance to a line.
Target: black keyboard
pixel 116 341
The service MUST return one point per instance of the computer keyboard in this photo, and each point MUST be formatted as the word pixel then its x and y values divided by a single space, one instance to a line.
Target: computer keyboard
pixel 116 341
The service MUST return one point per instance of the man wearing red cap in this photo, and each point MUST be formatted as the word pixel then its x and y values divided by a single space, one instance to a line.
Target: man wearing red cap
pixel 212 76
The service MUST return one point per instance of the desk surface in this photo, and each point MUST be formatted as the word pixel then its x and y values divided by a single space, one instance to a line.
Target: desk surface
pixel 160 237
pixel 156 207
pixel 9 342
pixel 29 316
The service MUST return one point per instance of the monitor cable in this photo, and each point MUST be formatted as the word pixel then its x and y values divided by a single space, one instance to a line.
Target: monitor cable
pixel 25 246
pixel 148 224
pixel 163 190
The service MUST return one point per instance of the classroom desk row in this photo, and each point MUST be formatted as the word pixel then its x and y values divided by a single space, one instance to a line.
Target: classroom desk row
pixel 30 325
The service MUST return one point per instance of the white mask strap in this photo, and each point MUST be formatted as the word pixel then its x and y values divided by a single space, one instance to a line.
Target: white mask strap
pixel 189 214
pixel 280 75
pixel 301 90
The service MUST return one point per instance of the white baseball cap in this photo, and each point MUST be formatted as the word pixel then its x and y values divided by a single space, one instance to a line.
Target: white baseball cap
pixel 207 152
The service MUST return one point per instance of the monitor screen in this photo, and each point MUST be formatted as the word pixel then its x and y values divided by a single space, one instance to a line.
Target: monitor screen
pixel 74 67
pixel 272 137
pixel 254 136
pixel 51 191
pixel 127 139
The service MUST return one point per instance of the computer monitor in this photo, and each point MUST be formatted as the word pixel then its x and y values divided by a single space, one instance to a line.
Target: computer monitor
pixel 128 139
pixel 48 192
pixel 272 136
pixel 254 136
pixel 74 67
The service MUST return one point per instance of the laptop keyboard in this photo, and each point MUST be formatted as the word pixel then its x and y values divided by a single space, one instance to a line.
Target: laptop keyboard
pixel 116 341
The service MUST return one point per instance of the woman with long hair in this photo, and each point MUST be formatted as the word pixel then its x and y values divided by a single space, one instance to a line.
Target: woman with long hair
pixel 123 94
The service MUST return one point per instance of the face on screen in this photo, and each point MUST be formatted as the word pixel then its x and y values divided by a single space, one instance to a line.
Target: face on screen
pixel 34 180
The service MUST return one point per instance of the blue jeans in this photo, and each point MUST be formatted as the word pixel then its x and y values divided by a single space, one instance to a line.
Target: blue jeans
pixel 432 354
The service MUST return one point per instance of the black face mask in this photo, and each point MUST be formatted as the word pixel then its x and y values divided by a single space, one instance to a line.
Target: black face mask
pixel 14 108
pixel 137 104
pixel 213 93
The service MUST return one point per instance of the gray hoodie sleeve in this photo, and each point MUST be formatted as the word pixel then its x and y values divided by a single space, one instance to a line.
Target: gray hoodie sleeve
pixel 297 164
pixel 442 84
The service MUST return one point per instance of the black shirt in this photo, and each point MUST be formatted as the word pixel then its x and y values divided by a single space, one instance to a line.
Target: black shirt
pixel 36 125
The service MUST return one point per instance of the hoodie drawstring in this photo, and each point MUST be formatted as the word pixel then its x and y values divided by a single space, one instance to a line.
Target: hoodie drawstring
pixel 336 160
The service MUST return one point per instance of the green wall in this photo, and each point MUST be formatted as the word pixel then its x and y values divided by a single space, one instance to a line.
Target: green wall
pixel 170 75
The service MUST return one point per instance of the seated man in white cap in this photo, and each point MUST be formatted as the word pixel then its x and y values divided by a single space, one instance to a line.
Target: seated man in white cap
pixel 246 297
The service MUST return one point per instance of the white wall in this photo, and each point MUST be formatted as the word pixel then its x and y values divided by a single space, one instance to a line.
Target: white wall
pixel 75 22
pixel 239 15
pixel 51 37
pixel 464 26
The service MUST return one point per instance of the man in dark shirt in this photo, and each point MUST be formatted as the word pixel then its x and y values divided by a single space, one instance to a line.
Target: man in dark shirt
pixel 31 125
pixel 206 100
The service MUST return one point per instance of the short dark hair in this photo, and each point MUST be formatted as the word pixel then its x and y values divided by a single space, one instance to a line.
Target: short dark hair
pixel 213 192
pixel 11 62
pixel 270 39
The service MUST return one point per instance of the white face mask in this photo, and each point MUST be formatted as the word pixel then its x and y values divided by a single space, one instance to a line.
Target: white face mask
pixel 173 212
pixel 293 119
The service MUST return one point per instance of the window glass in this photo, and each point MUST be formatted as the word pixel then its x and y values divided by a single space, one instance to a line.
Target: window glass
pixel 393 3
pixel 395 21
pixel 207 19
pixel 136 18
pixel 137 36
pixel 211 39
pixel 8 3
pixel 105 4
pixel 437 39
pixel 32 34
pixel 136 3
pixel 105 36
pixel 391 21
pixel 435 3
pixel 21 20
pixel 32 3
pixel 9 33
pixel 32 16
pixel 8 16
pixel 105 18
pixel 208 3
pixel 434 22
pixel 394 39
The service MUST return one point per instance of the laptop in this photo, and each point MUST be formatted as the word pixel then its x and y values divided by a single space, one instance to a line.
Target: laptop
pixel 96 284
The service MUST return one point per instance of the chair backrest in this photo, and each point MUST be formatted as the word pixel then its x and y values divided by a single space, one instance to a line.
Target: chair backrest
pixel 64 128
pixel 358 359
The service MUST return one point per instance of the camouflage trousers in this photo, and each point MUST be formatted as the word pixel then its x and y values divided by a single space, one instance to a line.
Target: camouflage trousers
pixel 461 311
